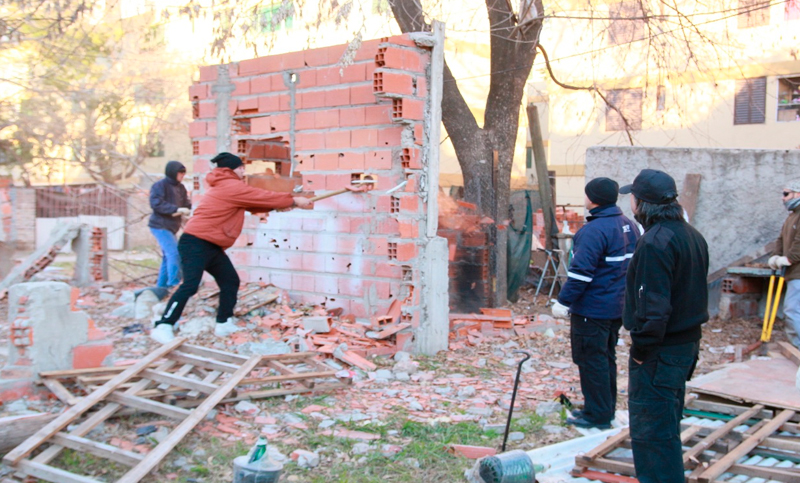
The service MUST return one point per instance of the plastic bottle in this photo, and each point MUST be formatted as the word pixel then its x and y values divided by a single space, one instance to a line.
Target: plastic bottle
pixel 258 451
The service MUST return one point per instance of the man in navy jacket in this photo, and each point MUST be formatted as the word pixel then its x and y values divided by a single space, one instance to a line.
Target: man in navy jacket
pixel 169 200
pixel 593 296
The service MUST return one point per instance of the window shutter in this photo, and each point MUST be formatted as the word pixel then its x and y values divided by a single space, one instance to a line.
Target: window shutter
pixel 750 101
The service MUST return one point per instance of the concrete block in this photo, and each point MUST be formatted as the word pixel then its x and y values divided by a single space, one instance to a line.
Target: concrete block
pixel 317 325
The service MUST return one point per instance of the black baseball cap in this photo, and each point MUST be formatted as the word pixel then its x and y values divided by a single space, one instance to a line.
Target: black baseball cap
pixel 652 186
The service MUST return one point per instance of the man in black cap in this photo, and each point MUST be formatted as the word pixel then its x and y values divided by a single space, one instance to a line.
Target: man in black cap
pixel 593 298
pixel 169 200
pixel 666 303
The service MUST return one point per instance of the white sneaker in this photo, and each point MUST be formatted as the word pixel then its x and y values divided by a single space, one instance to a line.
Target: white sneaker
pixel 227 328
pixel 162 333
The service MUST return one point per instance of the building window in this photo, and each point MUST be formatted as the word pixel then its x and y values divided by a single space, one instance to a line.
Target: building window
pixel 750 101
pixel 277 16
pixel 627 24
pixel 661 98
pixel 789 99
pixel 753 13
pixel 792 9
pixel 629 103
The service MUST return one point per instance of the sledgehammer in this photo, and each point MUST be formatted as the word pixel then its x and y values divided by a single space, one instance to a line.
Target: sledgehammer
pixel 366 183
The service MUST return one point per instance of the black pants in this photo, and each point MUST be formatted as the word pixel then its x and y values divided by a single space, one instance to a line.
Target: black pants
pixel 198 256
pixel 657 389
pixel 594 350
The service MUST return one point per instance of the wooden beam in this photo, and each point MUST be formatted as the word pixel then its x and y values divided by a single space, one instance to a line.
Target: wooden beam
pixel 176 436
pixel 690 193
pixel 790 352
pixel 86 403
pixel 50 473
pixel 603 448
pixel 692 453
pixel 542 176
pixel 60 391
pixel 721 466
pixel 179 380
pixel 137 402
pixel 101 450
pixel 203 362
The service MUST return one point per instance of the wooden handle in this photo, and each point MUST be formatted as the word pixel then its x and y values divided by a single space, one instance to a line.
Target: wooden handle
pixel 328 195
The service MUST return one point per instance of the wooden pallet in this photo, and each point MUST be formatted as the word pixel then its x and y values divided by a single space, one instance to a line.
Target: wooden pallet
pixel 710 452
pixel 275 375
pixel 111 398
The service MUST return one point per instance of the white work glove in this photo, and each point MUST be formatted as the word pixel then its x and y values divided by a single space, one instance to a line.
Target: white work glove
pixel 560 311
pixel 184 211
pixel 771 262
pixel 782 262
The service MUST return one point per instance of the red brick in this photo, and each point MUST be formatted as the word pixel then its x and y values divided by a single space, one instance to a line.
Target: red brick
pixel 313 182
pixel 391 136
pixel 387 226
pixel 348 245
pixel 406 251
pixel 208 147
pixel 328 76
pixel 313 224
pixel 360 225
pixel 268 104
pixel 338 181
pixel 379 114
pixel 327 285
pixel 411 158
pixel 351 286
pixel 337 139
pixel 242 87
pixel 335 53
pixel 281 280
pixel 337 97
pixel 355 73
pixel 208 109
pixel 309 100
pixel 402 59
pixel 316 57
pixel 378 159
pixel 364 138
pixel 260 125
pixel 260 85
pixel 395 83
pixel 302 283
pixel 280 123
pixel 208 73
pixel 91 354
pixel 409 229
pixel 403 39
pixel 474 239
pixel 367 50
pixel 278 83
pixel 197 129
pixel 351 161
pixel 362 94
pixel 383 204
pixel 409 204
pixel 285 102
pixel 422 87
pixel 352 117
pixel 306 79
pixel 387 270
pixel 409 109
pixel 326 119
pixel 291 61
pixel 310 141
pixel 304 120
pixel 251 66
pixel 419 137
pixel 233 105
pixel 198 91
pixel 201 166
pixel 326 162
pixel 304 162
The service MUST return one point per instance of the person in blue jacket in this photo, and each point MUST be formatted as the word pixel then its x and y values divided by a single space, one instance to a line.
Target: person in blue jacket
pixel 593 298
pixel 169 201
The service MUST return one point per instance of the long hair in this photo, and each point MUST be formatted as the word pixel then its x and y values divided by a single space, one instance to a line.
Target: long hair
pixel 649 214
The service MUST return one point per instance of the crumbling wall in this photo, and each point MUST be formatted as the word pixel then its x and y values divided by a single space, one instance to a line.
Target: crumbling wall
pixel 739 207
pixel 307 113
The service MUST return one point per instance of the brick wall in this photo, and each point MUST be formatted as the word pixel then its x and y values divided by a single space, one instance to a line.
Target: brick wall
pixel 355 251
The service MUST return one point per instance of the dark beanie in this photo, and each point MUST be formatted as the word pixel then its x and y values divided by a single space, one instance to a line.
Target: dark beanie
pixel 227 160
pixel 602 191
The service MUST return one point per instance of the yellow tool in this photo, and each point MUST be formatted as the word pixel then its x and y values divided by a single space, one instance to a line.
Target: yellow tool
pixel 772 306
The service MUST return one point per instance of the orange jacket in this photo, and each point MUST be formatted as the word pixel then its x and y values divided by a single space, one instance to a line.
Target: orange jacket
pixel 220 215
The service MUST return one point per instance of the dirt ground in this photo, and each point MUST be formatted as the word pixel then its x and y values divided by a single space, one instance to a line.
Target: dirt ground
pixel 394 429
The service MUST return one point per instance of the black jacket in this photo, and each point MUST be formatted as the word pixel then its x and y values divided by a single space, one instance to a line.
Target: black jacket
pixel 595 285
pixel 666 295
pixel 166 196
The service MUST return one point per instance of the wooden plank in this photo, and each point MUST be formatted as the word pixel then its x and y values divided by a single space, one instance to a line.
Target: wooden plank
pixel 214 354
pixel 137 402
pixel 16 429
pixel 690 193
pixel 286 371
pixel 60 391
pixel 692 453
pixel 542 176
pixel 757 253
pixel 790 352
pixel 209 378
pixel 600 476
pixel 180 381
pixel 101 450
pixel 203 362
pixel 159 452
pixel 604 447
pixel 621 467
pixel 297 376
pixel 790 475
pixel 86 403
pixel 720 467
pixel 55 475
pixel 488 318
pixel 727 409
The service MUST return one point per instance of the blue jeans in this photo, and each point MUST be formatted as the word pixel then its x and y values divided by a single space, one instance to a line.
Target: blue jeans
pixel 169 274
pixel 657 388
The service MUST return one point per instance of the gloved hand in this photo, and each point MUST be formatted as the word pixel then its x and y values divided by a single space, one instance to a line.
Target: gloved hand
pixel 560 311
pixel 782 262
pixel 771 262
pixel 184 211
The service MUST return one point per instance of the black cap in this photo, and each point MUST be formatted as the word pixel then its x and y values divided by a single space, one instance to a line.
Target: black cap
pixel 652 186
pixel 602 191
pixel 227 160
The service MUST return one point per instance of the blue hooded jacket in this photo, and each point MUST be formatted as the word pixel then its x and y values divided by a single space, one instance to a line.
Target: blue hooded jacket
pixel 166 196
pixel 595 286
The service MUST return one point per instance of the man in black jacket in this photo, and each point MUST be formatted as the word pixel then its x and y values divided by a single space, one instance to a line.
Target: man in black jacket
pixel 169 200
pixel 666 303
